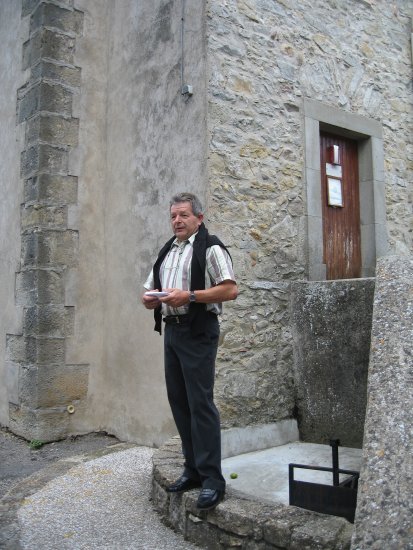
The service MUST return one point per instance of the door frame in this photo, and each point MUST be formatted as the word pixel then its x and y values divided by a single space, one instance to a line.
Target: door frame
pixel 373 226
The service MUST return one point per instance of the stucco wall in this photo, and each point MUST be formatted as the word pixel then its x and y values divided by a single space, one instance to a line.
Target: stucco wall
pixel 140 141
pixel 11 189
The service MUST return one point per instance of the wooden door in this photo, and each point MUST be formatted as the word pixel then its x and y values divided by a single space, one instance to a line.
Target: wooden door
pixel 341 209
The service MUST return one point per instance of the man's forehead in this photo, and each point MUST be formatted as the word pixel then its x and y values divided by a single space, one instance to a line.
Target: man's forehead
pixel 181 206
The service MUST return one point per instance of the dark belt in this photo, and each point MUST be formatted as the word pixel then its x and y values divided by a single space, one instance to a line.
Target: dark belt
pixel 176 319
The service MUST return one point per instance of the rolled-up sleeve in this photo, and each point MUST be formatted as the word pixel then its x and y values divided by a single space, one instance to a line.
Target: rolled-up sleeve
pixel 219 265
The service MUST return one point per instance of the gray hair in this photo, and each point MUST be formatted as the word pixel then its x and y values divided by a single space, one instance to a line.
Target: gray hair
pixel 188 197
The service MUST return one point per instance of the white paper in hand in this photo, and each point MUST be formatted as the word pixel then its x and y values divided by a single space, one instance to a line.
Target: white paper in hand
pixel 156 293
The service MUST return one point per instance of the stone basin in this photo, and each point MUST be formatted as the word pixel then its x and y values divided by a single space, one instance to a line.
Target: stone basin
pixel 255 513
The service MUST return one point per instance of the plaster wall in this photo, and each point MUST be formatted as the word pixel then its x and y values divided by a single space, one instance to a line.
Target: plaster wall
pixel 140 141
pixel 11 32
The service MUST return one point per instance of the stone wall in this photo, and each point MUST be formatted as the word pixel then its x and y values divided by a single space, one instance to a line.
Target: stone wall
pixel 331 324
pixel 265 59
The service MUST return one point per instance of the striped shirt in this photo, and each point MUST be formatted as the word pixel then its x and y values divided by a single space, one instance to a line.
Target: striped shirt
pixel 175 272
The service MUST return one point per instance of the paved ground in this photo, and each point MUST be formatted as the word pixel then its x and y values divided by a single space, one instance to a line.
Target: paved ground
pixel 264 474
pixel 87 492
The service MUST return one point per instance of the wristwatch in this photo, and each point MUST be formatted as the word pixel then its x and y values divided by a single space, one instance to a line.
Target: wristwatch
pixel 192 297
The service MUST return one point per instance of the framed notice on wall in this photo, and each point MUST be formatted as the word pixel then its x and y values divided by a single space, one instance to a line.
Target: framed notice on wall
pixel 335 191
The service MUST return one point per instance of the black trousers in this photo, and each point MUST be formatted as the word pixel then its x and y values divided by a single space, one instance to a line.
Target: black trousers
pixel 189 374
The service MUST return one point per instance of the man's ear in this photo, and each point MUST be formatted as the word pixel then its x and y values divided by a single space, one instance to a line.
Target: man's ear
pixel 200 218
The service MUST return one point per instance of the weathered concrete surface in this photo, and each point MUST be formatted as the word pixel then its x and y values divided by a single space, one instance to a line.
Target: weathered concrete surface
pixel 331 331
pixel 384 516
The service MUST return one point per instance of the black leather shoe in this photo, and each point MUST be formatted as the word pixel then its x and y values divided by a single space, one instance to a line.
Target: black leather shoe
pixel 209 498
pixel 183 483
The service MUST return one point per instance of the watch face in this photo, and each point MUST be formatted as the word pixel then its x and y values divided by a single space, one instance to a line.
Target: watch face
pixel 192 297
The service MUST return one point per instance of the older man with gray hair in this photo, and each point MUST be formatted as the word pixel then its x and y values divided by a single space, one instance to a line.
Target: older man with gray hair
pixel 190 279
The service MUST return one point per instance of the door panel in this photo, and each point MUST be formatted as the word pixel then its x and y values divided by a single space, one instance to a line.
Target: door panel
pixel 341 225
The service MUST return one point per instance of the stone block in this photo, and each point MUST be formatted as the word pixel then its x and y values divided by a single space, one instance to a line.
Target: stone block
pixel 39 287
pixel 43 217
pixel 52 189
pixel 29 161
pixel 49 386
pixel 20 349
pixel 53 129
pixel 29 250
pixel 31 350
pixel 331 324
pixel 50 249
pixel 69 76
pixel 50 45
pixel 278 529
pixel 321 532
pixel 26 288
pixel 42 424
pixel 28 101
pixel 55 98
pixel 50 351
pixel 43 96
pixel 45 320
pixel 50 15
pixel 50 287
pixel 43 158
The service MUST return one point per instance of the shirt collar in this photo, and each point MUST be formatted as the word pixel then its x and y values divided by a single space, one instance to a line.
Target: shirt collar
pixel 190 240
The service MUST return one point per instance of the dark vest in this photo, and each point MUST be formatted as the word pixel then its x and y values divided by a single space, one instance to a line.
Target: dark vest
pixel 197 312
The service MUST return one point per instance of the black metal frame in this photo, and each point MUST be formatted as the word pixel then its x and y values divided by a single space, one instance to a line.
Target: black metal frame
pixel 339 499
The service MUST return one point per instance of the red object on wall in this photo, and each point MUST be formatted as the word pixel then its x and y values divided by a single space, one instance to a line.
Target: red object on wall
pixel 333 154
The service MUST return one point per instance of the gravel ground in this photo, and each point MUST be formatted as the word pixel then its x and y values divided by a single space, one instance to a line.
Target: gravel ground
pixel 99 504
pixel 85 492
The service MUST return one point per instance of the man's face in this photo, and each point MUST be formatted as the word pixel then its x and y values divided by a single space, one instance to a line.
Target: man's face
pixel 184 222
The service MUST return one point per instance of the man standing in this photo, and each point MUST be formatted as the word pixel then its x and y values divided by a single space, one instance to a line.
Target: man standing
pixel 195 270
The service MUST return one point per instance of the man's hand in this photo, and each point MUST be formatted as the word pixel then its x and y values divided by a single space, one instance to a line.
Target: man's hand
pixel 176 297
pixel 150 302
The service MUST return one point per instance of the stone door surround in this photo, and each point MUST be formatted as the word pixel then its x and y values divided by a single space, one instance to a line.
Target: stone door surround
pixel 368 133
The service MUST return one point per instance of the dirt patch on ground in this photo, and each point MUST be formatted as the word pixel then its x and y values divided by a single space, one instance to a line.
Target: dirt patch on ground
pixel 19 460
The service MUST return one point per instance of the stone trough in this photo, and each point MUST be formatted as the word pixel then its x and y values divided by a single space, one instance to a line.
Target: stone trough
pixel 254 517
